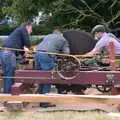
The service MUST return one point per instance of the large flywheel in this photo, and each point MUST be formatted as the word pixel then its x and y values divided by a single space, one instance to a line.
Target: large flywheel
pixel 67 67
pixel 80 42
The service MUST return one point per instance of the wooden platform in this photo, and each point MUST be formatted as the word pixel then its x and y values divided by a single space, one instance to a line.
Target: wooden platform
pixel 61 98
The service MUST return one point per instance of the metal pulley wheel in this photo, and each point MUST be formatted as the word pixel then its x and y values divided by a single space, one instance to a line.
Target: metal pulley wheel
pixel 67 67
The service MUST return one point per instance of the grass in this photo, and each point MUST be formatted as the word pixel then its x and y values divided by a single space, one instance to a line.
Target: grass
pixel 70 115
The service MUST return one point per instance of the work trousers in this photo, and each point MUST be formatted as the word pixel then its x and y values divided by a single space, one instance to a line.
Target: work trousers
pixel 44 62
pixel 8 65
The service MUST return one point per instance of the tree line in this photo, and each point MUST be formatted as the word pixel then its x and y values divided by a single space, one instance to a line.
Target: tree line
pixel 68 14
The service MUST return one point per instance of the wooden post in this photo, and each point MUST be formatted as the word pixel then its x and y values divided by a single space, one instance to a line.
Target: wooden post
pixel 111 50
pixel 112 56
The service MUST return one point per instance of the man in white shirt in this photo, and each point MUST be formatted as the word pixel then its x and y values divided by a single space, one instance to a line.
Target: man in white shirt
pixel 104 38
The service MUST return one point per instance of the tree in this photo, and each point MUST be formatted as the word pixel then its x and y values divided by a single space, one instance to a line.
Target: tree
pixel 1 9
pixel 83 14
pixel 86 13
pixel 3 5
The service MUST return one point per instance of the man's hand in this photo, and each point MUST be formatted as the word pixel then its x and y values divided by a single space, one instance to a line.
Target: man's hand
pixel 27 51
pixel 33 49
pixel 89 55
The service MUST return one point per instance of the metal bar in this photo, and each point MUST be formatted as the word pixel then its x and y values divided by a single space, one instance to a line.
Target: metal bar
pixel 28 77
pixel 111 50
pixel 48 53
pixel 83 77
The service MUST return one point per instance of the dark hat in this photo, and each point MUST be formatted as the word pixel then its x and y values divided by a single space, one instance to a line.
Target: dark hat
pixel 98 28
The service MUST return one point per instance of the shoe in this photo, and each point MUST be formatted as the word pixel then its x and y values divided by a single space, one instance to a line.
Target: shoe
pixel 46 104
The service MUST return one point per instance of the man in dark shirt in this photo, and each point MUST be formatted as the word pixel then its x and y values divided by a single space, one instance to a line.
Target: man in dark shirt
pixel 18 39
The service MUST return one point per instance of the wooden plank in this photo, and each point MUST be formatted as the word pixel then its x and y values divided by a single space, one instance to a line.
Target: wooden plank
pixel 57 98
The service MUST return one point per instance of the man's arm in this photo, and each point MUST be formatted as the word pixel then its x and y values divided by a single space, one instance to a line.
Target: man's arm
pixel 26 40
pixel 66 48
pixel 98 47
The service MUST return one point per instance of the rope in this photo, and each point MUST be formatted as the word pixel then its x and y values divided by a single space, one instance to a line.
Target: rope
pixel 49 53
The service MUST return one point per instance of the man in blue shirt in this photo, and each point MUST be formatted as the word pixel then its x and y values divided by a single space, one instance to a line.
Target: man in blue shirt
pixel 18 39
pixel 53 43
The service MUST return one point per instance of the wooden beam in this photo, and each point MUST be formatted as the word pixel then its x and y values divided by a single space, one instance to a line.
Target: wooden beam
pixel 57 98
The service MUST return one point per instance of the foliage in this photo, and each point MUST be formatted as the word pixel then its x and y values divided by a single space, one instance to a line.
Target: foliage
pixel 36 42
pixel 83 14
pixel 6 29
pixel 41 29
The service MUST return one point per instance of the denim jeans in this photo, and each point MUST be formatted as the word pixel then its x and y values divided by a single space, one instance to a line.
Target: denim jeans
pixel 8 64
pixel 44 62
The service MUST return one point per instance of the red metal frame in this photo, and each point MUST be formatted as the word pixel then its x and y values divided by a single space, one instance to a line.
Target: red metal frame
pixel 83 77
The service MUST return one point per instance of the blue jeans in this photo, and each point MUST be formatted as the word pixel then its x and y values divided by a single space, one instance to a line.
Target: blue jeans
pixel 44 62
pixel 8 64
